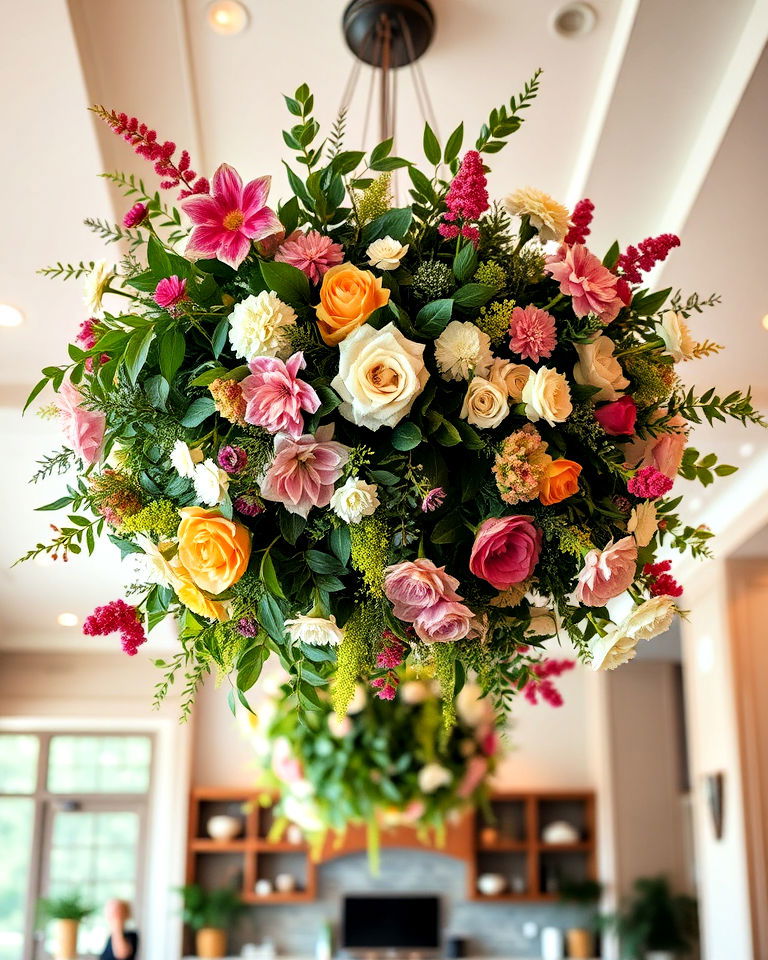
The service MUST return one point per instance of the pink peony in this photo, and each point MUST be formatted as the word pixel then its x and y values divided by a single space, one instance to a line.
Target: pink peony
pixel 415 585
pixel 506 550
pixel 170 292
pixel 226 220
pixel 617 418
pixel 532 333
pixel 304 470
pixel 607 573
pixel 443 622
pixel 664 451
pixel 591 286
pixel 275 397
pixel 83 429
pixel 312 253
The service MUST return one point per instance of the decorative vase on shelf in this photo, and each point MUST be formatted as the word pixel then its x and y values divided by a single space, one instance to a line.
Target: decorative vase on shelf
pixel 65 938
pixel 211 943
pixel 552 944
pixel 579 943
pixel 224 827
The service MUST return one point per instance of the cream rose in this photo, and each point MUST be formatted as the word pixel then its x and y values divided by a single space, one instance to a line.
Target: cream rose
pixel 547 396
pixel 316 631
pixel 642 522
pixel 677 338
pixel 485 404
pixel 386 253
pixel 511 377
pixel 597 367
pixel 380 375
pixel 354 500
pixel 432 777
pixel 211 483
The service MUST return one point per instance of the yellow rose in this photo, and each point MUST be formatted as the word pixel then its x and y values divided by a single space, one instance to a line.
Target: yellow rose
pixel 213 550
pixel 348 296
pixel 193 597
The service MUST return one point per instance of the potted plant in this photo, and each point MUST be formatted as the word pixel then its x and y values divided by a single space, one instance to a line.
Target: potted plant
pixel 66 912
pixel 210 913
pixel 585 894
pixel 653 923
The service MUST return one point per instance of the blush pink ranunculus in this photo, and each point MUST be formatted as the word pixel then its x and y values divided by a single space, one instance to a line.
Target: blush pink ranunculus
pixel 583 278
pixel 230 217
pixel 274 396
pixel 506 550
pixel 664 451
pixel 443 622
pixel 415 585
pixel 83 429
pixel 304 471
pixel 618 417
pixel 607 573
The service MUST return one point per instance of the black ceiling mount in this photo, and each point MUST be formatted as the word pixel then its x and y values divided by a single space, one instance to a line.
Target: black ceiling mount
pixel 408 24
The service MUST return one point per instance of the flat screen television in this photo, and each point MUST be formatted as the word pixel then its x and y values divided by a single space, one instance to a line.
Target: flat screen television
pixel 391 925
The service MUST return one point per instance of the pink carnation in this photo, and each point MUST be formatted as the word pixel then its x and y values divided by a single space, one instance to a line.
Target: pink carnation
pixel 304 471
pixel 591 286
pixel 275 397
pixel 313 253
pixel 416 585
pixel 506 550
pixel 135 216
pixel 170 292
pixel 607 573
pixel 532 333
pixel 443 622
pixel 83 429
pixel 649 484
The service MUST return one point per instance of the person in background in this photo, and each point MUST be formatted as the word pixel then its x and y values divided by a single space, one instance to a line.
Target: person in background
pixel 122 944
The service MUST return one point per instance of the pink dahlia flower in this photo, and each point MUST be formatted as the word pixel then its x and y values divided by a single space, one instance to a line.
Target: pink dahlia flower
pixel 230 217
pixel 304 471
pixel 83 429
pixel 607 573
pixel 416 585
pixel 532 333
pixel 275 397
pixel 170 292
pixel 312 253
pixel 591 286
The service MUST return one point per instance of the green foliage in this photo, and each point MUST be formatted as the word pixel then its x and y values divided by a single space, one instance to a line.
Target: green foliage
pixel 653 918
pixel 505 120
pixel 70 906
pixel 218 908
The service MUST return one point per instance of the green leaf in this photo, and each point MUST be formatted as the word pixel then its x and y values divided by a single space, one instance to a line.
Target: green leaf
pixel 198 411
pixel 271 617
pixel 380 151
pixel 340 542
pixel 394 223
pixel 612 257
pixel 725 470
pixel 433 317
pixel 469 436
pixel 384 477
pixel 465 263
pixel 157 389
pixel 288 282
pixel 268 575
pixel 291 526
pixel 124 546
pixel 172 348
pixel 320 562
pixel 454 143
pixel 250 665
pixel 35 391
pixel 473 295
pixel 219 337
pixel 158 260
pixel 136 353
pixel 448 529
pixel 447 435
pixel 406 436
pixel 432 150
pixel 57 504
pixel 651 303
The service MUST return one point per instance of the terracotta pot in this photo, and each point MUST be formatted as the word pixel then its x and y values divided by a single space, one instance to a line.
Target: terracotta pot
pixel 579 943
pixel 65 940
pixel 211 942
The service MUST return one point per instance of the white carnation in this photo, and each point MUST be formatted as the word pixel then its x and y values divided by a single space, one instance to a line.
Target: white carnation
pixel 259 326
pixel 615 648
pixel 211 483
pixel 386 253
pixel 677 338
pixel 646 621
pixel 651 618
pixel 183 460
pixel 316 631
pixel 432 777
pixel 95 283
pixel 354 500
pixel 463 349
pixel 150 566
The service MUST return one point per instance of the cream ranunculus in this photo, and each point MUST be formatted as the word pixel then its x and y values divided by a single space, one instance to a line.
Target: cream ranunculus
pixel 549 217
pixel 386 253
pixel 677 338
pixel 512 377
pixel 547 396
pixel 316 631
pixel 95 283
pixel 211 483
pixel 354 500
pixel 642 522
pixel 485 404
pixel 259 326
pixel 463 349
pixel 432 777
pixel 651 618
pixel 184 460
pixel 615 648
pixel 380 375
pixel 597 367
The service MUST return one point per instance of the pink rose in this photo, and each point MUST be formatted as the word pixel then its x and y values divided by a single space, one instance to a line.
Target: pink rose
pixel 607 573
pixel 443 622
pixel 275 398
pixel 83 429
pixel 617 418
pixel 664 451
pixel 416 585
pixel 506 550
pixel 304 471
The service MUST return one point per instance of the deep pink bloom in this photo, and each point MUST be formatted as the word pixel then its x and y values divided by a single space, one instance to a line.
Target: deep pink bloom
pixel 651 251
pixel 275 397
pixel 390 656
pixel 83 429
pixel 384 687
pixel 542 686
pixel 313 253
pixel 618 417
pixel 580 221
pixel 170 292
pixel 232 459
pixel 443 622
pixel 433 499
pixel 248 504
pixel 86 339
pixel 136 215
pixel 466 200
pixel 662 584
pixel 304 470
pixel 591 286
pixel 230 217
pixel 532 333
pixel 414 586
pixel 506 550
pixel 117 617
pixel 607 573
pixel 649 483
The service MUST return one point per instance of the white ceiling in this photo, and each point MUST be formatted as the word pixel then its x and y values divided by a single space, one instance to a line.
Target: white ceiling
pixel 657 116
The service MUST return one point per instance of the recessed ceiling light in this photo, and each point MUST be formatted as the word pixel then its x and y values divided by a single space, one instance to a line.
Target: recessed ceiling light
pixel 746 449
pixel 10 316
pixel 227 17
pixel 67 620
pixel 765 321
pixel 574 20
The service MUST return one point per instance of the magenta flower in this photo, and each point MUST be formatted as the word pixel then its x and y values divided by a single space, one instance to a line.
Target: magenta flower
pixel 136 215
pixel 304 471
pixel 532 333
pixel 117 617
pixel 312 253
pixel 230 217
pixel 433 499
pixel 466 200
pixel 232 459
pixel 650 483
pixel 170 292
pixel 275 397
pixel 591 286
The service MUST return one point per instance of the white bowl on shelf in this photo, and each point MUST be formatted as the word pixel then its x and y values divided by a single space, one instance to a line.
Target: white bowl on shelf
pixel 224 827
pixel 491 884
pixel 560 831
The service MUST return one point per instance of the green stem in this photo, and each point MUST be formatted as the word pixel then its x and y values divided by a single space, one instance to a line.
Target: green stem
pixel 553 301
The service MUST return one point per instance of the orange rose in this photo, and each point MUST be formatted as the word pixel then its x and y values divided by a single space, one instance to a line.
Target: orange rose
pixel 213 550
pixel 560 481
pixel 193 597
pixel 348 297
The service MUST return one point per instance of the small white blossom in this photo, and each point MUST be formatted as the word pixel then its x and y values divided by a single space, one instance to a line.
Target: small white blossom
pixel 463 349
pixel 386 253
pixel 94 285
pixel 183 460
pixel 432 777
pixel 354 500
pixel 259 326
pixel 677 338
pixel 150 566
pixel 211 483
pixel 316 631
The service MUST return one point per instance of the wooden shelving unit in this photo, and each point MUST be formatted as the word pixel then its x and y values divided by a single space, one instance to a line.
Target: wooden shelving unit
pixel 511 846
